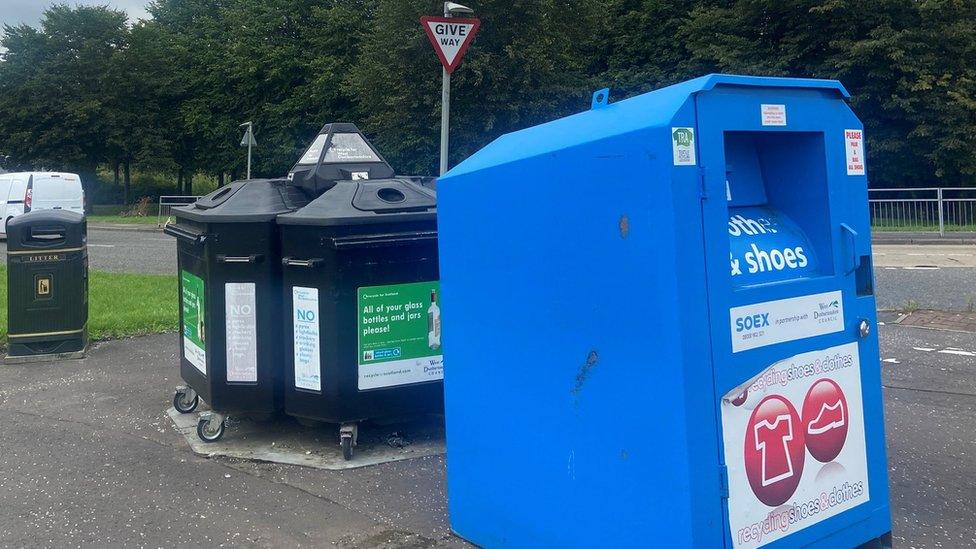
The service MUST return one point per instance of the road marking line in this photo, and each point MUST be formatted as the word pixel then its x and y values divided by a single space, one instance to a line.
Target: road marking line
pixel 101 245
pixel 891 360
pixel 924 349
pixel 955 352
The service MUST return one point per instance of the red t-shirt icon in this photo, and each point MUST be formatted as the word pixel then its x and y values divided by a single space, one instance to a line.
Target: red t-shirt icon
pixel 774 451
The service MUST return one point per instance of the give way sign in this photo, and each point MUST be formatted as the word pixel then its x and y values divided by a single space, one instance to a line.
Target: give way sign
pixel 451 37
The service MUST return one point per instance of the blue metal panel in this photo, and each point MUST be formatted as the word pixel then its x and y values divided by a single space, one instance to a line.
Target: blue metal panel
pixel 586 300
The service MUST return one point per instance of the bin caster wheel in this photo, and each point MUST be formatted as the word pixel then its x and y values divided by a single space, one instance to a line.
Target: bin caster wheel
pixel 348 437
pixel 346 443
pixel 210 429
pixel 185 400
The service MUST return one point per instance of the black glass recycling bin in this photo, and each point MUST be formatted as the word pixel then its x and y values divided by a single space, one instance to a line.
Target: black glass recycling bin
pixel 231 321
pixel 47 283
pixel 360 283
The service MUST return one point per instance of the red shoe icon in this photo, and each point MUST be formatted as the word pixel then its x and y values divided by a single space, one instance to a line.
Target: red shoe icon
pixel 831 416
pixel 825 420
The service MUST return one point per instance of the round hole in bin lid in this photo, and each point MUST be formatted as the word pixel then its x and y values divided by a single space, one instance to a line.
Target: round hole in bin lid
pixel 388 194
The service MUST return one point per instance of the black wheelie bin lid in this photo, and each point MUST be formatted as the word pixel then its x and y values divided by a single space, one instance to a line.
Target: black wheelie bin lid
pixel 252 200
pixel 367 201
pixel 339 152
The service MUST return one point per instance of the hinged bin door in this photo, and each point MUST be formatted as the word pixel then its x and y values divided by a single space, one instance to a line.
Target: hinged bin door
pixel 792 316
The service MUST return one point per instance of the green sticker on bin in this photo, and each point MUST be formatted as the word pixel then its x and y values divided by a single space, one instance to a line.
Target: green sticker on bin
pixel 194 315
pixel 399 334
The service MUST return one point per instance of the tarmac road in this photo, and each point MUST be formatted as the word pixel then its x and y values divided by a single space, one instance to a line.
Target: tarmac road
pixel 89 458
pixel 126 251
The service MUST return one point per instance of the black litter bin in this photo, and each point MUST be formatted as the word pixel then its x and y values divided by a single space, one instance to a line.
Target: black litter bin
pixel 361 287
pixel 230 291
pixel 47 286
pixel 340 152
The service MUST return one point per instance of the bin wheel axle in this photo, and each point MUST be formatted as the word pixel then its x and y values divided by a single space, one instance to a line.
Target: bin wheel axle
pixel 185 400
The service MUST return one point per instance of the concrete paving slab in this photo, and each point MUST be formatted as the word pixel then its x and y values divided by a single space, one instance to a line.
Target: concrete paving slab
pixel 282 440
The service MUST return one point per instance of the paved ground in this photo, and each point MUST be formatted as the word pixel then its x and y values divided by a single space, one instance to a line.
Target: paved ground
pixel 88 458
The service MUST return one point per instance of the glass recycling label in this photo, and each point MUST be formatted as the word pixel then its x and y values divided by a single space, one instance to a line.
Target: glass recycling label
pixel 194 312
pixel 399 334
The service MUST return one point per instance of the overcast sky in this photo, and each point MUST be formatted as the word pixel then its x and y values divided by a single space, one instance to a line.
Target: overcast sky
pixel 15 12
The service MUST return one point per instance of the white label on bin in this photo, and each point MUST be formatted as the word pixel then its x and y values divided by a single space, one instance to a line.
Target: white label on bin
pixel 854 143
pixel 770 322
pixel 683 146
pixel 305 320
pixel 773 115
pixel 794 444
pixel 241 332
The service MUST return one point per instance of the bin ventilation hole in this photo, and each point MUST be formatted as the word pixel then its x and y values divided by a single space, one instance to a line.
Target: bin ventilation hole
pixel 624 225
pixel 388 194
pixel 584 371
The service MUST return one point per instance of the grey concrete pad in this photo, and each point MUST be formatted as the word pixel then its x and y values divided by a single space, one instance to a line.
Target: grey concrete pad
pixel 285 441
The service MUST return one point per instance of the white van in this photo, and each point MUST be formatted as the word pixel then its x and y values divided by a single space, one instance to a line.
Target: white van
pixel 30 191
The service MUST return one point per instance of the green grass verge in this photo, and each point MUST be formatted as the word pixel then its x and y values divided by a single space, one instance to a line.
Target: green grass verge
pixel 124 219
pixel 119 305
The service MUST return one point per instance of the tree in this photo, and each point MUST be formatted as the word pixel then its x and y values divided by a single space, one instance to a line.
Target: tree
pixel 53 111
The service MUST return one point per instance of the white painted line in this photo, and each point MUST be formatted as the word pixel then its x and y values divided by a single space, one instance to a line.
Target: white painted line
pixel 101 245
pixel 891 360
pixel 955 352
pixel 921 268
pixel 924 349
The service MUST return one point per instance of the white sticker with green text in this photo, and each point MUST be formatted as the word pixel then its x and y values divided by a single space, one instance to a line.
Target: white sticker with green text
pixel 683 146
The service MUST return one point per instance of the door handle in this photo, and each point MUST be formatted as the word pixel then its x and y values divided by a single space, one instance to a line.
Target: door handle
pixel 855 258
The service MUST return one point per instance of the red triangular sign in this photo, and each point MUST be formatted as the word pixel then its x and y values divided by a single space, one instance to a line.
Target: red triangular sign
pixel 450 37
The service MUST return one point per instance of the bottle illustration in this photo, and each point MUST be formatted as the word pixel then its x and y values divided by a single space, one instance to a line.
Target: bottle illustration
pixel 200 321
pixel 433 322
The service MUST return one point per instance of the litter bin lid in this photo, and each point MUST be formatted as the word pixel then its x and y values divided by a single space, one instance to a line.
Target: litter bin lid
pixel 245 201
pixel 46 229
pixel 372 201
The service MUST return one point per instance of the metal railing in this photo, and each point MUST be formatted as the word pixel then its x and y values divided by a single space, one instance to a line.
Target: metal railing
pixel 929 209
pixel 166 204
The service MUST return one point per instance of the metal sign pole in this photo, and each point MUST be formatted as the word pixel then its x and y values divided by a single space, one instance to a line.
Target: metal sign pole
pixel 445 117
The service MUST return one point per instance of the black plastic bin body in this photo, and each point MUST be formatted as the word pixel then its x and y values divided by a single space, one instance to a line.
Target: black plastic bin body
pixel 47 284
pixel 358 236
pixel 230 276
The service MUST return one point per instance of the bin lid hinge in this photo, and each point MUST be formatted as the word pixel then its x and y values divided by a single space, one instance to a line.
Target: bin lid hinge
pixel 723 478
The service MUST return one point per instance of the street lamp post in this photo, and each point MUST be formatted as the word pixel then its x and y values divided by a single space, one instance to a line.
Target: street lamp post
pixel 248 141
